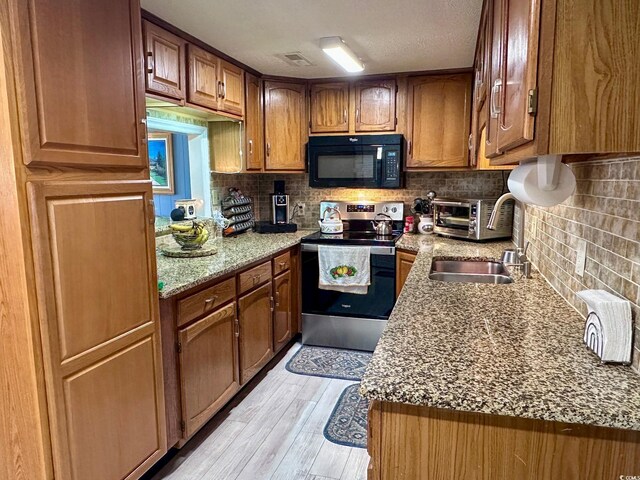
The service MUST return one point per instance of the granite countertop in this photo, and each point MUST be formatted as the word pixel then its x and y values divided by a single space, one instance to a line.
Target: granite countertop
pixel 511 349
pixel 234 253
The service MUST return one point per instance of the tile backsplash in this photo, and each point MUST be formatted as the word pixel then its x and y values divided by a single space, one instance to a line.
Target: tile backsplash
pixel 604 211
pixel 449 184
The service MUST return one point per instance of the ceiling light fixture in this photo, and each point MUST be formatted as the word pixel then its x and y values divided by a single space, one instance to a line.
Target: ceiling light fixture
pixel 341 54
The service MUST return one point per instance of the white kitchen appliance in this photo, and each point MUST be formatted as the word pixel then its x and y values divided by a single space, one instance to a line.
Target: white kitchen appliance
pixel 608 328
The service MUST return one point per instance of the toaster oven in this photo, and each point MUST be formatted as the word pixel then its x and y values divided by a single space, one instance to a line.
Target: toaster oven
pixel 468 218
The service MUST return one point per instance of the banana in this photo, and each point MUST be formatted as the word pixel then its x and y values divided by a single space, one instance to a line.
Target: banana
pixel 181 228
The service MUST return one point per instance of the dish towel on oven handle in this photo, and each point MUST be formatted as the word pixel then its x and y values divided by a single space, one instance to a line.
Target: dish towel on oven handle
pixel 344 269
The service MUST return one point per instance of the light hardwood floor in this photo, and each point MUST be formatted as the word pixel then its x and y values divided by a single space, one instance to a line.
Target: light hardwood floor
pixel 274 433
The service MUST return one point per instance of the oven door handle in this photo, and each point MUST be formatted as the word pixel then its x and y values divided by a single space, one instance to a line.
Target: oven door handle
pixel 313 247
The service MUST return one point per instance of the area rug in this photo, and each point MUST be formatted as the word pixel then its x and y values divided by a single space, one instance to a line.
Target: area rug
pixel 347 424
pixel 329 362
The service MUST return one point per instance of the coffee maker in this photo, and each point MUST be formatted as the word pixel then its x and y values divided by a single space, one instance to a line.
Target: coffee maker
pixel 279 204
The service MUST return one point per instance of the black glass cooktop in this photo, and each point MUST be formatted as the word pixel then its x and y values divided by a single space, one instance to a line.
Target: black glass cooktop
pixel 353 238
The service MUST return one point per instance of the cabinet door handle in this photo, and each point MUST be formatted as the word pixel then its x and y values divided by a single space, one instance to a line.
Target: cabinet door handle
pixel 357 115
pixel 250 147
pixel 495 105
pixel 470 141
pixel 236 327
pixel 224 90
pixel 277 299
pixel 268 149
pixel 150 62
pixel 271 301
pixel 152 212
pixel 409 147
pixel 344 116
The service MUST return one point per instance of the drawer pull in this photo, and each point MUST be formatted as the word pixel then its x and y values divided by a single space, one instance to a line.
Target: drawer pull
pixel 210 300
pixel 282 264
pixel 256 278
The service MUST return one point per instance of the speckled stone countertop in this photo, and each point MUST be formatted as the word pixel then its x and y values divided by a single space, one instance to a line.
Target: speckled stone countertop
pixel 234 253
pixel 511 350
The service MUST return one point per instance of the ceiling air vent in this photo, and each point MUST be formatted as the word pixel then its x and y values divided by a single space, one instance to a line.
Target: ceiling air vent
pixel 296 59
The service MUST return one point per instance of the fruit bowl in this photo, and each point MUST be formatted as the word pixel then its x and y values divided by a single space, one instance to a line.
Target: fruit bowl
pixel 190 237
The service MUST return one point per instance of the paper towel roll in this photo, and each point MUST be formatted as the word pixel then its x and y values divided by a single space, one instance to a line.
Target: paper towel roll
pixel 523 183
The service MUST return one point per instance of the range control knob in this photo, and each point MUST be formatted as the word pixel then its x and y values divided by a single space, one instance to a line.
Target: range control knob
pixel 385 209
pixel 394 209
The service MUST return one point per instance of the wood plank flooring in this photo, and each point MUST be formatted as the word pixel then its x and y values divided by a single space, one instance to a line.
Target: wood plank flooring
pixel 274 433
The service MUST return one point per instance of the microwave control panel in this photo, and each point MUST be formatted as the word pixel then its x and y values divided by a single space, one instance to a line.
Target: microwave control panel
pixel 391 165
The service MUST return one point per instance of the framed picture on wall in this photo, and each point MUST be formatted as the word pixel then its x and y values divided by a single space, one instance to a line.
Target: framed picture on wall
pixel 161 162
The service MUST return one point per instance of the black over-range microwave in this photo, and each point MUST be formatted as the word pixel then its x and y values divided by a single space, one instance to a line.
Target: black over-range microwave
pixel 357 161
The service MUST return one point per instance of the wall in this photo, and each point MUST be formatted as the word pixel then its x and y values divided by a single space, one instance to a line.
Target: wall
pixel 452 184
pixel 605 211
pixel 181 177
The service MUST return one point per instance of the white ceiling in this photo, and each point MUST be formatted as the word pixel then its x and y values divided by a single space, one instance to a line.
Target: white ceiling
pixel 388 35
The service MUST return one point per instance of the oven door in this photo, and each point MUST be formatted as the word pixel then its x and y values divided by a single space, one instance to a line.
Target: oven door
pixel 358 166
pixel 452 218
pixel 376 304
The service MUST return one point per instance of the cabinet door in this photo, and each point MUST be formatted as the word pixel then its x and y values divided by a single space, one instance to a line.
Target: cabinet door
pixel 404 262
pixel 285 125
pixel 81 97
pixel 282 313
pixel 94 250
pixel 208 366
pixel 165 62
pixel 254 123
pixel 330 107
pixel 481 63
pixel 256 332
pixel 375 106
pixel 231 88
pixel 520 30
pixel 438 121
pixel 204 85
pixel 495 77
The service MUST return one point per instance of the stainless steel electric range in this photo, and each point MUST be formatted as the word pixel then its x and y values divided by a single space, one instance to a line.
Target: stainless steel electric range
pixel 347 320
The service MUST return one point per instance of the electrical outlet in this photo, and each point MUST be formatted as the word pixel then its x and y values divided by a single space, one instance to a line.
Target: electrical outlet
pixel 581 256
pixel 302 208
pixel 215 198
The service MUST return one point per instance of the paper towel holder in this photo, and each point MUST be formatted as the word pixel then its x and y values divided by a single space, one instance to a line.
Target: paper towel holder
pixel 543 181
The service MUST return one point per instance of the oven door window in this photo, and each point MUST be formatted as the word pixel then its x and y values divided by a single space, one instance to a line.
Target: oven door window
pixel 452 217
pixel 349 166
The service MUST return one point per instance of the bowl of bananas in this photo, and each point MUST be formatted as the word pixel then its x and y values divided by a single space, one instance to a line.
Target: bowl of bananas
pixel 190 237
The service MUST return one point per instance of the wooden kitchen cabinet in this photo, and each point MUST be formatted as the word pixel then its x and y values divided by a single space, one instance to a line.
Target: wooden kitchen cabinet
pixel 544 98
pixel 329 107
pixel 81 97
pixel 438 118
pixel 99 325
pixel 204 84
pixel 231 89
pixel 404 262
pixel 286 125
pixel 209 371
pixel 282 313
pixel 165 57
pixel 256 331
pixel 254 124
pixel 375 105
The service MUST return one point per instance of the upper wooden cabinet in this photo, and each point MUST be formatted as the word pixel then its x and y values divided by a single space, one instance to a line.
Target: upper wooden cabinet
pixel 329 107
pixel 165 62
pixel 214 83
pixel 81 98
pixel 544 97
pixel 254 124
pixel 375 105
pixel 438 119
pixel 286 130
pixel 231 88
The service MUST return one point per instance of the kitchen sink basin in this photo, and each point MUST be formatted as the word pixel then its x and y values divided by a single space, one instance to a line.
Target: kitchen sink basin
pixel 469 271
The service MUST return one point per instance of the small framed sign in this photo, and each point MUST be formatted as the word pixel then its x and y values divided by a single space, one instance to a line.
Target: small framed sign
pixel 161 162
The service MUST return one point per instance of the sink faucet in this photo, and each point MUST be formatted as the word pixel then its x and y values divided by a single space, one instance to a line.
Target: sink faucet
pixel 523 261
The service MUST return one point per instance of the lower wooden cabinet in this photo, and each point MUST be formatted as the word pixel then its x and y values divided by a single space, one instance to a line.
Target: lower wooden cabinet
pixel 256 331
pixel 404 262
pixel 209 374
pixel 282 331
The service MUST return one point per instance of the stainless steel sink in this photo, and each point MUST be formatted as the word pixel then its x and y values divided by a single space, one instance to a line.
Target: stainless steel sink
pixel 469 271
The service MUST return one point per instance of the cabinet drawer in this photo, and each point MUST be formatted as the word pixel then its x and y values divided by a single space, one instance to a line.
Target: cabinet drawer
pixel 282 263
pixel 254 277
pixel 205 301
